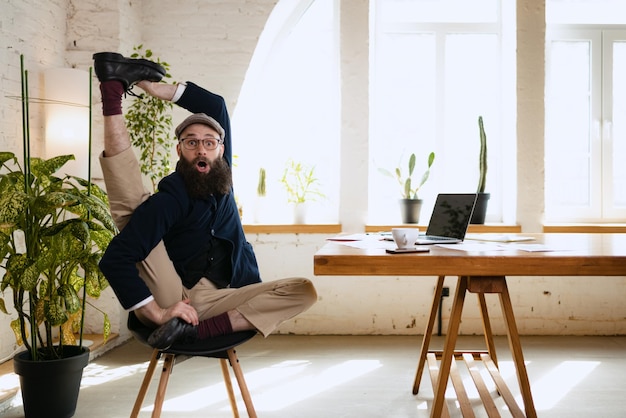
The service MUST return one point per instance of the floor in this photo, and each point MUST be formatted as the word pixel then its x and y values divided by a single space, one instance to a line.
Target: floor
pixel 355 376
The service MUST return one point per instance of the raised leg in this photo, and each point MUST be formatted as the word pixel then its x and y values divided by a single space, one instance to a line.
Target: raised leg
pixel 428 334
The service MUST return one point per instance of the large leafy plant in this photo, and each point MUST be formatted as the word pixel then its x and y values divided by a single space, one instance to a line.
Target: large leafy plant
pixel 149 122
pixel 53 231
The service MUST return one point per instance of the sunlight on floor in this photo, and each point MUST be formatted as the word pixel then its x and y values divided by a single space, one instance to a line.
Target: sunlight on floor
pixel 284 387
pixel 95 374
pixel 555 385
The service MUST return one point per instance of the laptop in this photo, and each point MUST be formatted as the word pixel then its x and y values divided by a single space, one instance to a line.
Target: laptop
pixel 450 219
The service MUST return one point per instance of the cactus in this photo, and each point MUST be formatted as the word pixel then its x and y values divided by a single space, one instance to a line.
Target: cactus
pixel 482 160
pixel 260 190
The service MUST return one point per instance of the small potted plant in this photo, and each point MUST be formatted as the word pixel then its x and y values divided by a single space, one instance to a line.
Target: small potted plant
pixel 410 203
pixel 480 209
pixel 301 186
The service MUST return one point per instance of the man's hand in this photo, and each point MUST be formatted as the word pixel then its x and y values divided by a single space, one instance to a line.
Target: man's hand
pixel 153 315
pixel 159 90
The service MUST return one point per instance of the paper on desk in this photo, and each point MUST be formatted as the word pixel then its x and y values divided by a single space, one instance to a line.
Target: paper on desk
pixel 528 247
pixel 363 241
pixel 369 243
pixel 498 237
pixel 349 237
pixel 472 246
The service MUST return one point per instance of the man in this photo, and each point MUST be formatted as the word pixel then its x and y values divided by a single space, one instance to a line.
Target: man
pixel 181 261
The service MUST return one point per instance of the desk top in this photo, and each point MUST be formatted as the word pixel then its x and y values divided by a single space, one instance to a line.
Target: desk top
pixel 569 255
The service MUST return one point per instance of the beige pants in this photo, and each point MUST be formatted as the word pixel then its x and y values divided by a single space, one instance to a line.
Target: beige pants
pixel 266 305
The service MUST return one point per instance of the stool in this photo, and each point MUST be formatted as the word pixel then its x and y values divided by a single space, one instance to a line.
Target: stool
pixel 222 347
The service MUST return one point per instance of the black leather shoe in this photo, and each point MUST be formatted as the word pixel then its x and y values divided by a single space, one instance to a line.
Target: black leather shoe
pixel 174 330
pixel 114 66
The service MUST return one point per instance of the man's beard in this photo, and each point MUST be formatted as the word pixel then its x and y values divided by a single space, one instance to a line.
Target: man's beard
pixel 218 181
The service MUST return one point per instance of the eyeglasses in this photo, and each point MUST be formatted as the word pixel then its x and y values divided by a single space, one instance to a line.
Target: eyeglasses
pixel 208 143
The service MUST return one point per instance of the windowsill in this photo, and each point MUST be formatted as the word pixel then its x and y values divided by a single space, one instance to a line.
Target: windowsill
pixel 586 228
pixel 497 228
pixel 474 228
pixel 292 228
pixel 336 228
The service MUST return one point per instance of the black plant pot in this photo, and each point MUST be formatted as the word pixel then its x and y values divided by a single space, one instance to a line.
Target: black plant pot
pixel 50 388
pixel 410 210
pixel 480 209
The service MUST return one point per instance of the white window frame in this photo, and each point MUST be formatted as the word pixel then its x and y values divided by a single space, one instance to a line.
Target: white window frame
pixel 600 207
pixel 502 168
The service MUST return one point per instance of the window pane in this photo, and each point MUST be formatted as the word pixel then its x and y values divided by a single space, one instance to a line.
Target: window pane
pixel 568 130
pixel 430 83
pixel 289 109
pixel 585 11
pixel 403 115
pixel 472 89
pixel 619 125
pixel 438 10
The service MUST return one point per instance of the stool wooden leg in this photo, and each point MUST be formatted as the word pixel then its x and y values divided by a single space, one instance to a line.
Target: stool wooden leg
pixel 448 351
pixel 229 387
pixel 241 381
pixel 428 334
pixel 145 384
pixel 166 371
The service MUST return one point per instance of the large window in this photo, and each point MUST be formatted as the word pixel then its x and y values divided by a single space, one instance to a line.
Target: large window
pixel 288 109
pixel 585 112
pixel 437 67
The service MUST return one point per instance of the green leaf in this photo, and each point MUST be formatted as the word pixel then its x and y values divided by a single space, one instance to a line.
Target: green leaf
pixel 12 207
pixel 411 164
pixel 45 168
pixel 72 301
pixel 6 156
pixel 54 312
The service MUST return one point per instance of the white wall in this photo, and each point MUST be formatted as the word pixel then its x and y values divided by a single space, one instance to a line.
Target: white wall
pixel 211 42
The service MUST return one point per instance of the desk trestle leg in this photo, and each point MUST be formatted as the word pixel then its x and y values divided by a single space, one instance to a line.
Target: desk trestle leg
pixel 446 368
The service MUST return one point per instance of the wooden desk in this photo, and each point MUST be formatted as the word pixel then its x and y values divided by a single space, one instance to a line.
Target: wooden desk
pixel 481 273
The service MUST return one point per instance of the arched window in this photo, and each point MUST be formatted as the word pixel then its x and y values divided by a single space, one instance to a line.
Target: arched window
pixel 289 110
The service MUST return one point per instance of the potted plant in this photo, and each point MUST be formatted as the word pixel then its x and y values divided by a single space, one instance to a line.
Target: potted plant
pixel 53 230
pixel 301 186
pixel 480 209
pixel 149 122
pixel 52 233
pixel 410 203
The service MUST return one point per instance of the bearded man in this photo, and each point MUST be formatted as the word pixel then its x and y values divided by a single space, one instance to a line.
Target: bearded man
pixel 181 261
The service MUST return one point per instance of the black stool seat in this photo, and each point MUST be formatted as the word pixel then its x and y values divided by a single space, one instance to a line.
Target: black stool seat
pixel 212 347
pixel 222 347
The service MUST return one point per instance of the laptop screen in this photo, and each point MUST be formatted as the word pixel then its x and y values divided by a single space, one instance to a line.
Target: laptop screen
pixel 451 215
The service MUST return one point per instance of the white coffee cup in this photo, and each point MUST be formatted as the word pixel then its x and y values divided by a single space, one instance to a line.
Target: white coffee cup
pixel 405 237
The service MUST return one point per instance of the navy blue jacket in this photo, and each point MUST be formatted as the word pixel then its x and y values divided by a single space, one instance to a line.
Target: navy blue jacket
pixel 185 225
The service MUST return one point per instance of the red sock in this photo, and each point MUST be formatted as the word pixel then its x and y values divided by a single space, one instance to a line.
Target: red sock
pixel 215 326
pixel 112 92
